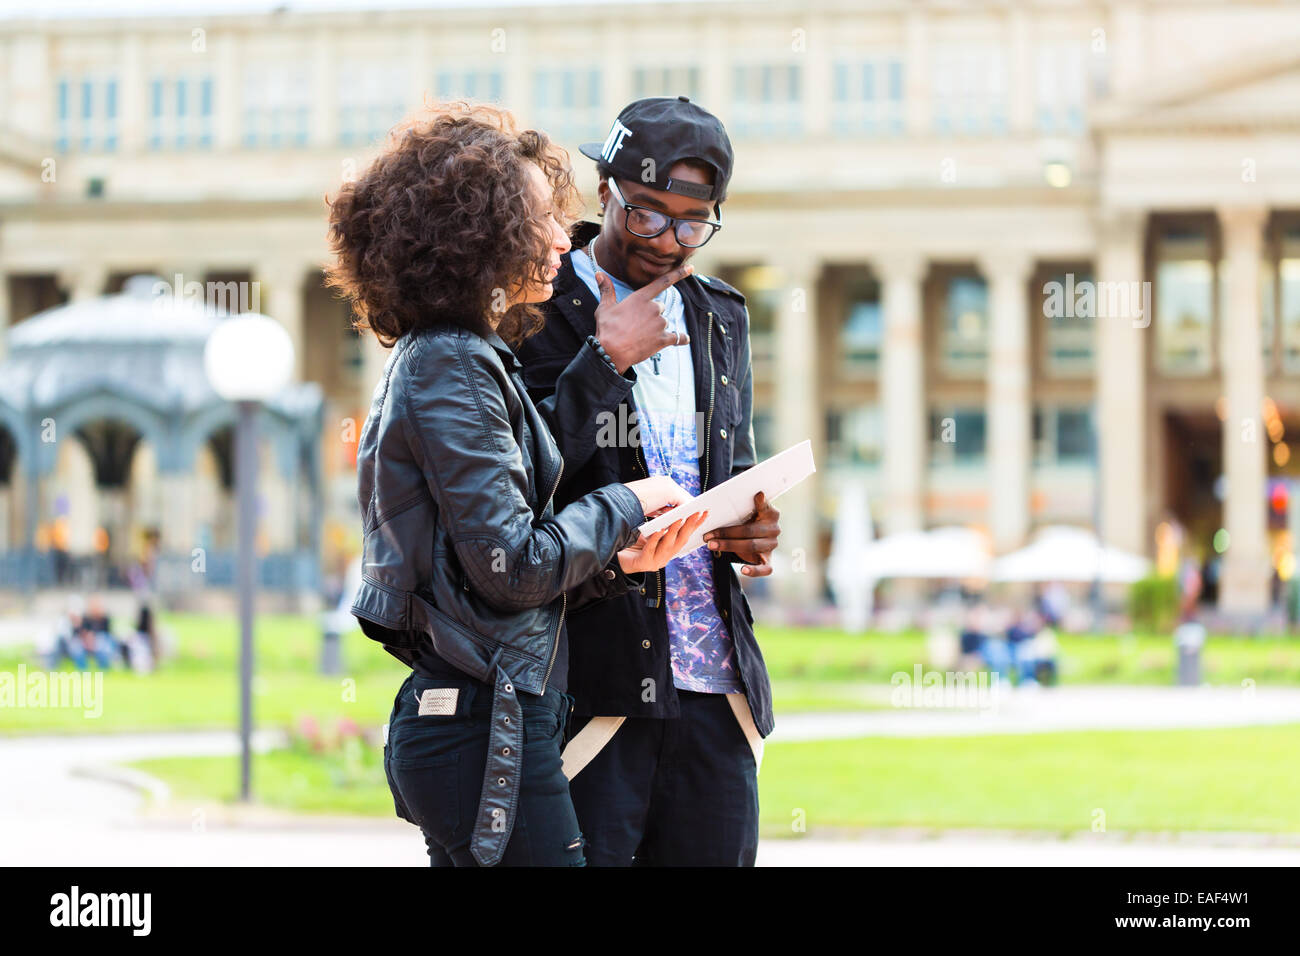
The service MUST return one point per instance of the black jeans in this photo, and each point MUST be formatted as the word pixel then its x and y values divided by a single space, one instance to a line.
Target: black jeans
pixel 435 765
pixel 677 791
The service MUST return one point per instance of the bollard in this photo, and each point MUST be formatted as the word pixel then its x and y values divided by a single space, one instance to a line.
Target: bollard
pixel 331 657
pixel 1189 637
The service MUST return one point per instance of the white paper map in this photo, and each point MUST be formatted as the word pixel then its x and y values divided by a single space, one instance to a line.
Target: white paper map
pixel 732 502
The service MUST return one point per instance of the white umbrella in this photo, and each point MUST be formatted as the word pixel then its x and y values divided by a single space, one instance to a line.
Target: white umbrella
pixel 851 537
pixel 1069 554
pixel 950 552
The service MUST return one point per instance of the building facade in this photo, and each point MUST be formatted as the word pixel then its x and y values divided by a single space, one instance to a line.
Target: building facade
pixel 1012 264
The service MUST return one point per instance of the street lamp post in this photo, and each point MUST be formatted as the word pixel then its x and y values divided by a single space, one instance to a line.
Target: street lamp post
pixel 248 359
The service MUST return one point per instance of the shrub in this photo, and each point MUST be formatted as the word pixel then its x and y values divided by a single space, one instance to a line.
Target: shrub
pixel 1153 604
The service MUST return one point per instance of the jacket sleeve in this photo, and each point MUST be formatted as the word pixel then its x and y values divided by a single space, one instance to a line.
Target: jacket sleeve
pixel 611 582
pixel 586 394
pixel 461 437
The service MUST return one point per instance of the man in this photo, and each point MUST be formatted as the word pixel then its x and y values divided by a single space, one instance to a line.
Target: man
pixel 671 695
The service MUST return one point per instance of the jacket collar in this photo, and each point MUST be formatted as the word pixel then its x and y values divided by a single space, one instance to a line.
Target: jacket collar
pixel 508 357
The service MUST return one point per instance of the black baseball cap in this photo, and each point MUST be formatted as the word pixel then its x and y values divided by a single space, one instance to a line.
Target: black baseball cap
pixel 666 130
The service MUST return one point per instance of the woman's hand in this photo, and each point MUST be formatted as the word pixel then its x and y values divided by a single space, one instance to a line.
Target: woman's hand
pixel 653 552
pixel 658 494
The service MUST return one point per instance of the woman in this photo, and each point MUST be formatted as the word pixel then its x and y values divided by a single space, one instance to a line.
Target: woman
pixel 443 246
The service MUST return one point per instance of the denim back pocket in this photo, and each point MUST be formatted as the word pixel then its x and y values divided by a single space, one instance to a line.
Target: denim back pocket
pixel 425 752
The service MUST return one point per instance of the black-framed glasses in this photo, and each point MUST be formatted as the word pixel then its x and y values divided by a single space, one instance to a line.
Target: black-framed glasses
pixel 646 223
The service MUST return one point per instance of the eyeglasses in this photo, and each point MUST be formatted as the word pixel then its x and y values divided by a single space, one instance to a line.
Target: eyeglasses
pixel 646 223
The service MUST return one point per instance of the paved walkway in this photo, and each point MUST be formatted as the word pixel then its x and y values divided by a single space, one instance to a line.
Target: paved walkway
pixel 66 801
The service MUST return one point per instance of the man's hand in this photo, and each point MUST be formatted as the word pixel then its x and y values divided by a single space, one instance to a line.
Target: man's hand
pixel 752 541
pixel 633 330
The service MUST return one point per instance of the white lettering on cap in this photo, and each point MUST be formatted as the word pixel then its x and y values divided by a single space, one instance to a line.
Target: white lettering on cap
pixel 614 141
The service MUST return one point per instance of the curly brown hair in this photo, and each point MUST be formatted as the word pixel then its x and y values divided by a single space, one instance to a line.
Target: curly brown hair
pixel 441 227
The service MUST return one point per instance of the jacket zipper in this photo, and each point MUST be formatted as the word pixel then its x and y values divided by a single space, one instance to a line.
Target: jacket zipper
pixel 659 580
pixel 708 424
pixel 564 597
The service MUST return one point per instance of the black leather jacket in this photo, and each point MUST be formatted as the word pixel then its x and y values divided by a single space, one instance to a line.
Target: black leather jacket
pixel 456 473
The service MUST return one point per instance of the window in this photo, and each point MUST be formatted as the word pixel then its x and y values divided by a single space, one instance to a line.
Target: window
pixel 767 101
pixel 372 100
pixel 863 329
pixel 855 436
pixel 480 85
pixel 957 436
pixel 63 116
pixel 180 112
pixel 277 105
pixel 965 330
pixel 1059 97
pixel 1184 302
pixel 1288 270
pixel 969 88
pixel 86 113
pixel 666 81
pixel 566 103
pixel 1069 314
pixel 1062 435
pixel 867 97
pixel 763 287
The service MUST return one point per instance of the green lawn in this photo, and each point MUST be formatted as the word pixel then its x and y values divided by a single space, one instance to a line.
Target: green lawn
pixel 199 687
pixel 1221 779
pixel 1238 779
pixel 812 669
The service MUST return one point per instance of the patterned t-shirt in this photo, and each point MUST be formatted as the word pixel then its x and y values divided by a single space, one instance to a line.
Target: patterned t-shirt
pixel 703 656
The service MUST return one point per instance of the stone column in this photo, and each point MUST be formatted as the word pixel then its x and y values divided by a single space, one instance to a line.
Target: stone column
pixel 616 77
pixel 1021 78
pixel 31 97
pixel 1244 584
pixel 6 314
pixel 83 282
pixel 715 81
pixel 916 81
pixel 902 391
pixel 1008 451
pixel 816 62
pixel 228 80
pixel 179 528
pixel 1121 383
pixel 280 293
pixel 515 61
pixel 798 417
pixel 325 90
pixel 132 96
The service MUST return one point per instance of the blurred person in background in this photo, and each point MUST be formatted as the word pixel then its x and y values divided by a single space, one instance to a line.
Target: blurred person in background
pixel 445 245
pixel 66 640
pixel 96 632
